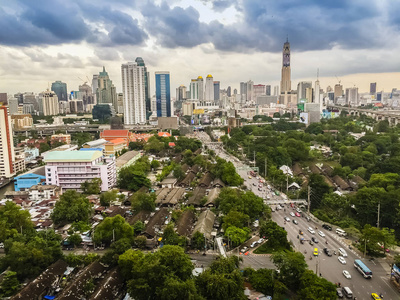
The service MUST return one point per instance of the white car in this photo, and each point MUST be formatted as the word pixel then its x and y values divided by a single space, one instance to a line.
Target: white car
pixel 346 274
pixel 287 219
pixel 321 233
pixel 244 249
pixel 342 252
pixel 260 240
pixel 253 244
pixel 292 214
pixel 310 230
pixel 342 260
pixel 298 210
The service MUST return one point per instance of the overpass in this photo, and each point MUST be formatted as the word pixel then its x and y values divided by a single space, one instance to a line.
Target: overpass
pixel 301 201
pixel 392 116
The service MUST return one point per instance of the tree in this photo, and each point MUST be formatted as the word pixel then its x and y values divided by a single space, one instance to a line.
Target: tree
pixel 235 218
pixel 81 138
pixel 134 176
pixel 112 229
pixel 9 285
pixel 14 220
pixel 140 241
pixel 107 197
pixel 276 236
pixel 154 145
pixel 178 172
pixel 155 164
pixel 314 287
pixel 198 241
pixel 71 207
pixel 75 239
pixel 91 187
pixel 142 201
pixel 292 266
pixel 138 227
pixel 237 235
pixel 265 281
pixel 43 147
pixel 170 237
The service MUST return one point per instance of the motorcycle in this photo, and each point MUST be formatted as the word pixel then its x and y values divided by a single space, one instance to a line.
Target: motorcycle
pixel 310 257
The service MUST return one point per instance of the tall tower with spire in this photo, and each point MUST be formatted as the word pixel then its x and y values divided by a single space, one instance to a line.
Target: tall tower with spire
pixel 286 83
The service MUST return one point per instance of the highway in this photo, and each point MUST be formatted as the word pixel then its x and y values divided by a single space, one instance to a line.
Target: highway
pixel 329 267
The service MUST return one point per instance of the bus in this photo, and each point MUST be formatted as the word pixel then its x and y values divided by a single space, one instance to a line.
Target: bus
pixel 362 268
pixel 252 173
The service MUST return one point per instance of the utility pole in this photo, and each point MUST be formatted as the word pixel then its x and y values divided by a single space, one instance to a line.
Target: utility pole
pixel 254 158
pixel 379 212
pixel 266 160
pixel 287 183
pixel 308 208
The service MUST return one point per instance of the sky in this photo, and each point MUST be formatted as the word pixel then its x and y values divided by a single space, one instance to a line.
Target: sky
pixel 356 42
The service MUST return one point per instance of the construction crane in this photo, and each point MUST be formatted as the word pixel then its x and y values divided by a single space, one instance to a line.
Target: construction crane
pixel 338 79
pixel 81 80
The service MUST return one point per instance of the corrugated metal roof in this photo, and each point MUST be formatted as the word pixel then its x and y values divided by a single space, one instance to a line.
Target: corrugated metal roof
pixel 67 156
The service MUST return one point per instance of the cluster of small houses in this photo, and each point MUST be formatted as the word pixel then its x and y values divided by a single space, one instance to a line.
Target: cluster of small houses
pixel 69 283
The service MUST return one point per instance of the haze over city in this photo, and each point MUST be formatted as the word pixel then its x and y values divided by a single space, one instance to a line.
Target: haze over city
pixel 235 41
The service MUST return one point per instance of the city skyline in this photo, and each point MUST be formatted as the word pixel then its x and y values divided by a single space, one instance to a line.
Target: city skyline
pixel 234 41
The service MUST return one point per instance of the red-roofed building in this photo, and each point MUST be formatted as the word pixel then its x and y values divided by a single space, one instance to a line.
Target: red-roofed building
pixel 171 144
pixel 112 134
pixel 115 146
pixel 164 134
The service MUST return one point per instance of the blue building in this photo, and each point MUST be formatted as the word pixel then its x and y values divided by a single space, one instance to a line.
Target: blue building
pixel 163 94
pixel 26 181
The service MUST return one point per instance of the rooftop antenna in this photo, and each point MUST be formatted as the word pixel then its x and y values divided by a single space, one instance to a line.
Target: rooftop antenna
pixel 318 74
pixel 287 38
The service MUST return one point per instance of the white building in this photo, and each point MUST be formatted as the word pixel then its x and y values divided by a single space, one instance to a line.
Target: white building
pixel 209 89
pixel 48 103
pixel 133 86
pixel 352 96
pixel 7 154
pixel 197 89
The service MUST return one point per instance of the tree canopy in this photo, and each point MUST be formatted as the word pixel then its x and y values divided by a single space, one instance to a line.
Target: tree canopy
pixel 72 207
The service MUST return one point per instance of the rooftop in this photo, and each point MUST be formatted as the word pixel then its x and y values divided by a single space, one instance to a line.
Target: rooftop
pixel 77 156
pixel 117 141
pixel 114 132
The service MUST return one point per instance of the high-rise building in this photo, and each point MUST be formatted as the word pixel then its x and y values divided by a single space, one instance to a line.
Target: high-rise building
pixel 258 90
pixel 140 63
pixel 95 85
pixel 329 89
pixel 13 106
pixel 286 84
pixel 163 94
pixel 234 91
pixel 209 89
pixel 276 90
pixel 60 88
pixel 352 96
pixel 7 154
pixel 317 92
pixel 338 91
pixel 372 88
pixel 181 93
pixel 134 90
pixel 229 91
pixel 302 86
pixel 87 96
pixel 216 90
pixel 268 90
pixel 197 89
pixel 243 91
pixel 106 92
pixel 201 87
pixel 250 93
pixel 120 101
pixel 48 103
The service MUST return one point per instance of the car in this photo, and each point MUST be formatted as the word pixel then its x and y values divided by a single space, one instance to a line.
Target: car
pixel 315 252
pixel 249 177
pixel 314 239
pixel 297 214
pixel 295 222
pixel 308 219
pixel 261 240
pixel 300 232
pixel 327 227
pixel 244 249
pixel 292 214
pixel 339 293
pixel 342 252
pixel 328 251
pixel 254 184
pixel 298 210
pixel 375 296
pixel 253 244
pixel 260 189
pixel 310 230
pixel 287 219
pixel 346 274
pixel 311 242
pixel 272 209
pixel 321 233
pixel 341 260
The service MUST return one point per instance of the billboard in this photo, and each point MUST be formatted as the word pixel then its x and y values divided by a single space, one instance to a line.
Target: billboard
pixel 304 118
pixel 198 111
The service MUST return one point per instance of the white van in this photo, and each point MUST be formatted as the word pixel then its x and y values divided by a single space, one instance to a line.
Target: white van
pixel 342 252
pixel 341 232
pixel 347 292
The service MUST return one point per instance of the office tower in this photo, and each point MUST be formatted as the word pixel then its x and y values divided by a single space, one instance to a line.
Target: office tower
pixel 234 91
pixel 120 103
pixel 286 84
pixel 301 90
pixel 250 93
pixel 87 96
pixel 106 92
pixel 329 89
pixel 276 90
pixel 134 90
pixel 268 90
pixel 20 98
pixel 243 91
pixel 338 90
pixel 163 94
pixel 228 91
pixel 200 85
pixel 258 90
pixel 48 103
pixel 3 98
pixel 317 92
pixel 95 85
pixel 309 94
pixel 372 88
pixel 60 88
pixel 140 62
pixel 7 155
pixel 352 96
pixel 209 89
pixel 181 93
pixel 216 90
pixel 13 106
pixel 197 89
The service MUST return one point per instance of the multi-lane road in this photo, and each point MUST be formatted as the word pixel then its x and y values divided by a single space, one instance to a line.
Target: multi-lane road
pixel 329 267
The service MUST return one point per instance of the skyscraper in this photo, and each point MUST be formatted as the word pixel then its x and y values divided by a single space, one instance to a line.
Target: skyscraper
pixel 106 92
pixel 181 93
pixel 286 84
pixel 140 63
pixel 249 89
pixel 268 90
pixel 302 87
pixel 163 94
pixel 134 90
pixel 197 89
pixel 352 96
pixel 87 96
pixel 7 155
pixel 60 88
pixel 338 90
pixel 229 91
pixel 209 90
pixel 216 90
pixel 372 88
pixel 243 91
pixel 48 103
